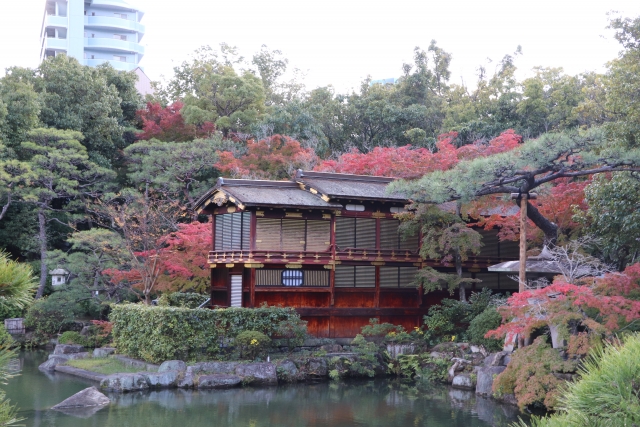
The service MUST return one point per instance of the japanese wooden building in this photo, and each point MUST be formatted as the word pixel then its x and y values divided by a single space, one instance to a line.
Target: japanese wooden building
pixel 328 245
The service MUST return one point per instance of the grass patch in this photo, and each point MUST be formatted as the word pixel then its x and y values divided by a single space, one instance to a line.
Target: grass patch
pixel 106 366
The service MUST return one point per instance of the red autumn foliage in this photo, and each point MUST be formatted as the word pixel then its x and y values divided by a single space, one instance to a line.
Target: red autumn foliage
pixel 167 124
pixel 610 302
pixel 276 157
pixel 409 163
pixel 182 261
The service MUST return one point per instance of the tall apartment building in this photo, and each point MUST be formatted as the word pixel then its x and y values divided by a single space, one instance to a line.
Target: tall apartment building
pixel 93 32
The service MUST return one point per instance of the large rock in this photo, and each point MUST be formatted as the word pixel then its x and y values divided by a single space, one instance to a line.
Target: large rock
pixel 287 371
pixel 124 382
pixel 103 352
pixel 485 377
pixel 161 379
pixel 218 381
pixel 316 367
pixel 215 367
pixel 464 382
pixel 68 349
pixel 85 398
pixel 497 359
pixel 173 365
pixel 52 362
pixel 83 355
pixel 258 373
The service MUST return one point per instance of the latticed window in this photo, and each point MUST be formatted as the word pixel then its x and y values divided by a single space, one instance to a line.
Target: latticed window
pixel 292 278
pixel 275 234
pixel 233 231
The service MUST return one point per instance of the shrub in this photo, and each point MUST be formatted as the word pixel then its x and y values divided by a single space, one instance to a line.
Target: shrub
pixel 292 332
pixel 377 329
pixel 607 392
pixel 422 367
pixel 529 375
pixel 156 334
pixel 252 344
pixel 45 320
pixel 481 324
pixel 73 337
pixel 182 299
pixel 365 363
pixel 17 285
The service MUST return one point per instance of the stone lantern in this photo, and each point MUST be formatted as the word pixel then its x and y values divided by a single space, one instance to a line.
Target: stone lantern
pixel 59 276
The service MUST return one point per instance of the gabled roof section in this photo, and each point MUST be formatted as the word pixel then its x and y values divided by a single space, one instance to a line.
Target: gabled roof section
pixel 249 192
pixel 332 186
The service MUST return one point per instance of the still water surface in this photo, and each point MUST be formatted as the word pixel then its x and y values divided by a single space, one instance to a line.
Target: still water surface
pixel 372 403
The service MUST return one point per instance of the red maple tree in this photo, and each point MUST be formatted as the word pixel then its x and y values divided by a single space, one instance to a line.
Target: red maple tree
pixel 181 263
pixel 276 157
pixel 167 124
pixel 409 163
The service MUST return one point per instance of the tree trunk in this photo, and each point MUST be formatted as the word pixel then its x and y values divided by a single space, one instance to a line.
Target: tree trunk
pixel 549 229
pixel 461 287
pixel 42 222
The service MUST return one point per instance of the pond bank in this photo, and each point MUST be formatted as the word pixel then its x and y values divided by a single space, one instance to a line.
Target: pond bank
pixel 378 402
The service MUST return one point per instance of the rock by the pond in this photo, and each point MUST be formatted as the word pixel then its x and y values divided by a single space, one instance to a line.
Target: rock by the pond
pixel 463 381
pixel 287 371
pixel 161 379
pixel 173 365
pixel 68 349
pixel 52 362
pixel 103 351
pixel 218 381
pixel 83 355
pixel 85 398
pixel 259 373
pixel 124 382
pixel 485 377
pixel 215 367
pixel 316 367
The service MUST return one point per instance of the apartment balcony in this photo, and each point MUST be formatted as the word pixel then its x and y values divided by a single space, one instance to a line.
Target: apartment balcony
pixel 56 44
pixel 56 21
pixel 115 24
pixel 118 65
pixel 113 45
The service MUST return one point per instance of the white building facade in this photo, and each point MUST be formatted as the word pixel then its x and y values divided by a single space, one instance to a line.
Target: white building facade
pixel 93 32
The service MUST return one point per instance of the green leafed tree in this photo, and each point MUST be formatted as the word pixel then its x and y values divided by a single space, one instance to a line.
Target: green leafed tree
pixel 17 284
pixel 62 178
pixel 531 165
pixel 92 252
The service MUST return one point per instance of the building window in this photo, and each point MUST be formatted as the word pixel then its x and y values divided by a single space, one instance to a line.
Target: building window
pixel 121 15
pixel 274 234
pixel 292 278
pixel 120 58
pixel 93 57
pixel 120 37
pixel 355 276
pixel 232 231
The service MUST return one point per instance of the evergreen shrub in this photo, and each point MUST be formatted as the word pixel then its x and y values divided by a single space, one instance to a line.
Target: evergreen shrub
pixel 182 299
pixel 73 337
pixel 156 334
pixel 484 322
pixel 252 344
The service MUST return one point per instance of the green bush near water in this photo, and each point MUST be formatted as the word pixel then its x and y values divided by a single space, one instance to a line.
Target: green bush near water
pixel 156 334
pixel 607 394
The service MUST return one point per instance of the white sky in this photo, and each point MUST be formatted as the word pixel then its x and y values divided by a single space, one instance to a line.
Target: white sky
pixel 340 42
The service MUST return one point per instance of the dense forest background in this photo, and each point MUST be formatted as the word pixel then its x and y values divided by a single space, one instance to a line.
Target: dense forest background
pixel 98 180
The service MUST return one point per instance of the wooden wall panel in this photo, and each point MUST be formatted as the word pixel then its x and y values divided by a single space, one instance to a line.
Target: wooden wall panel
pixel 318 326
pixel 293 299
pixel 407 322
pixel 354 299
pixel 347 326
pixel 398 299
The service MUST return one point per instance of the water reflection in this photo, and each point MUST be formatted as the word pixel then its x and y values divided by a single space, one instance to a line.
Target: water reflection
pixel 354 403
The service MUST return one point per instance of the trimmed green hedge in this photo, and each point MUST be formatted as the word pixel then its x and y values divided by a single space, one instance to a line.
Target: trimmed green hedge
pixel 156 334
pixel 182 299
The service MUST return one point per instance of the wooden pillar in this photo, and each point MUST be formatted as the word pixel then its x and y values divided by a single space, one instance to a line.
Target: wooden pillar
pixel 522 276
pixel 332 277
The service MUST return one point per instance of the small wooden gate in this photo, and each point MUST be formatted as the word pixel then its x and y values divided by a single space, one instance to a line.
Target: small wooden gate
pixel 14 326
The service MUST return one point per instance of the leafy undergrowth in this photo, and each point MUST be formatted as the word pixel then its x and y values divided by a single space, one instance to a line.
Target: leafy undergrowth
pixel 529 375
pixel 106 366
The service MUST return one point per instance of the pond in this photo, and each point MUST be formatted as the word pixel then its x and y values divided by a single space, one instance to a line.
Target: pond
pixel 381 402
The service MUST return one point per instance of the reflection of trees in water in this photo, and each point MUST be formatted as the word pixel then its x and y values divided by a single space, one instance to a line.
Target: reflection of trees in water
pixel 367 403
